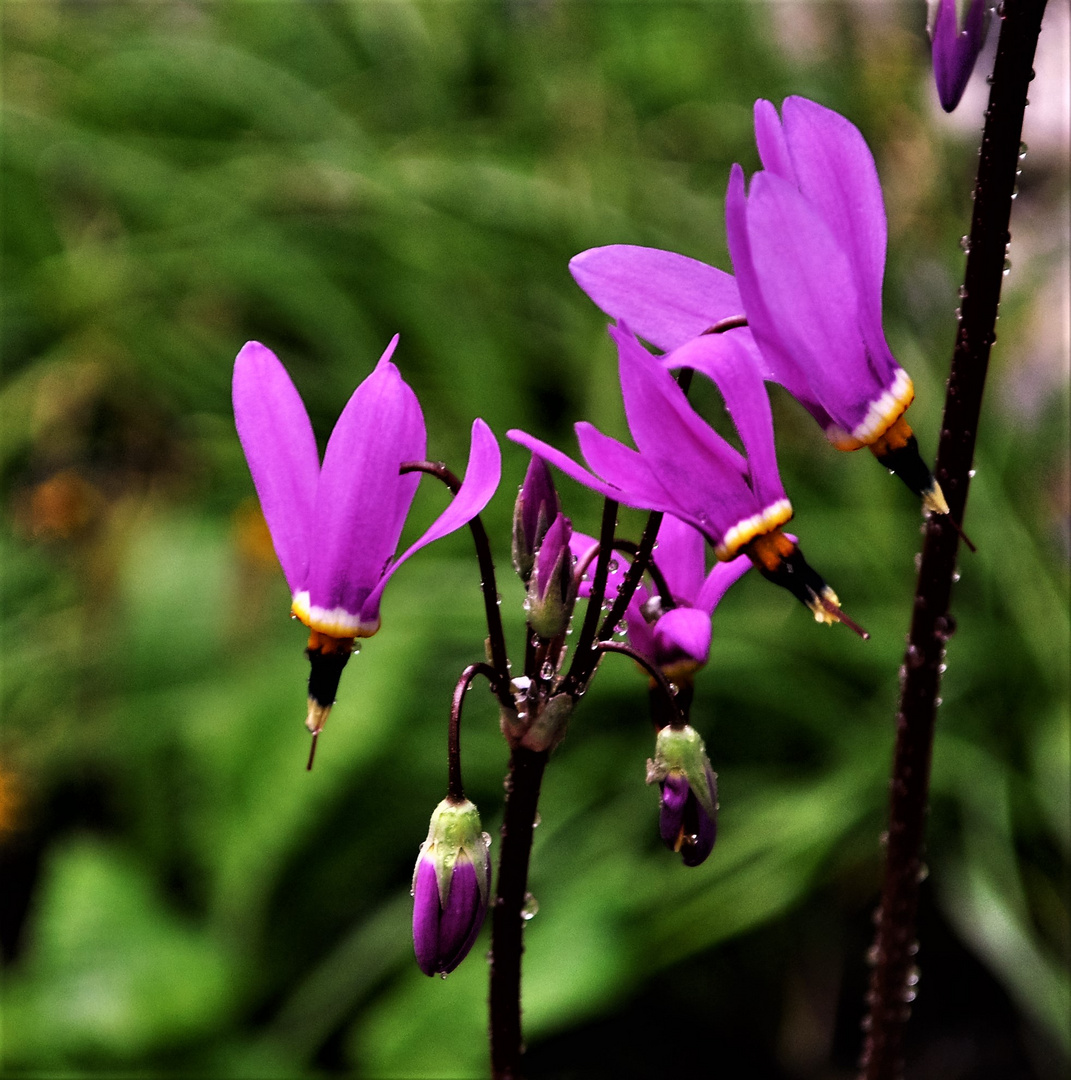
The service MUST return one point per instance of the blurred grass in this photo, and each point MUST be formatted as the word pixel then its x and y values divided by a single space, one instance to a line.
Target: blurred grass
pixel 180 896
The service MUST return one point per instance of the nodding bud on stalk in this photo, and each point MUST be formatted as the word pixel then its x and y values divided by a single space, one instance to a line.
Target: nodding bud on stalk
pixel 551 589
pixel 451 886
pixel 688 814
pixel 535 510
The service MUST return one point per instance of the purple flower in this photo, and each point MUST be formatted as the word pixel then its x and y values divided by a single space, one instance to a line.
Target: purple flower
pixel 336 527
pixel 668 622
pixel 681 465
pixel 957 30
pixel 687 819
pixel 808 248
pixel 451 887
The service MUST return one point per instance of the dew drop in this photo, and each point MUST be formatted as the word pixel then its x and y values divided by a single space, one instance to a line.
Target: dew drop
pixel 537 821
pixel 1022 150
pixel 613 566
pixel 443 974
pixel 546 672
pixel 963 292
pixel 965 244
pixel 531 907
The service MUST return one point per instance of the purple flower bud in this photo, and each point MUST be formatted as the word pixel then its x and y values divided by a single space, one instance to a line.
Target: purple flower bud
pixel 535 509
pixel 957 30
pixel 684 824
pixel 451 886
pixel 551 590
pixel 687 818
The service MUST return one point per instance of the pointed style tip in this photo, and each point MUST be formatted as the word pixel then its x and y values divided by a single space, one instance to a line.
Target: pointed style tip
pixel 827 609
pixel 312 751
pixel 933 499
pixel 315 719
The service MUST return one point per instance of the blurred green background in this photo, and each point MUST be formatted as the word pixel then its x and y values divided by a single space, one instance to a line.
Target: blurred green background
pixel 178 895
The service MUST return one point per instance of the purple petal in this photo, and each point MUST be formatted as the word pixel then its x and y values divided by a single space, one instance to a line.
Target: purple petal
pixel 675 792
pixel 955 51
pixel 837 176
pixel 770 139
pixel 719 580
pixel 696 852
pixel 782 363
pixel 630 478
pixel 704 475
pixel 482 474
pixel 682 632
pixel 362 501
pixel 807 279
pixel 566 464
pixel 462 917
pixel 724 359
pixel 666 298
pixel 279 445
pixel 426 915
pixel 681 558
pixel 639 630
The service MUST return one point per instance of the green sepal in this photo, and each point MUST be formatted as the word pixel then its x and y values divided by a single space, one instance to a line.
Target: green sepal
pixel 456 834
pixel 681 750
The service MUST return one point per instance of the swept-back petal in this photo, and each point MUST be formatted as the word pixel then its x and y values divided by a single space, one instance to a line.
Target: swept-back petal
pixel 681 558
pixel 362 501
pixel 664 426
pixel 628 476
pixel 806 278
pixel 836 174
pixel 482 474
pixel 719 580
pixel 770 139
pixel 280 446
pixel 566 464
pixel 724 360
pixel 783 367
pixel 666 298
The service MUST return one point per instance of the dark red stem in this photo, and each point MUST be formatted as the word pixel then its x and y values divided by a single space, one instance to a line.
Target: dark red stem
pixel 891 982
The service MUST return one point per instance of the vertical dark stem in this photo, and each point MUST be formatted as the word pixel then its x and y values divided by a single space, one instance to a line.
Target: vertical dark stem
pixel 895 945
pixel 632 577
pixel 507 920
pixel 583 661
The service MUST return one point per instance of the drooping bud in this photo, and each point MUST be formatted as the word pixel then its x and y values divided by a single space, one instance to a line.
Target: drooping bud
pixel 551 589
pixel 451 887
pixel 688 814
pixel 957 31
pixel 535 509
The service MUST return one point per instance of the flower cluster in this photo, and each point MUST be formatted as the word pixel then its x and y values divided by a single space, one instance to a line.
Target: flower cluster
pixel 807 239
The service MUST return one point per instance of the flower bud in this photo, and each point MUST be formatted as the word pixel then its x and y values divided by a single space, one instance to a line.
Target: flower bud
pixel 535 510
pixel 551 591
pixel 451 887
pixel 957 30
pixel 688 814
